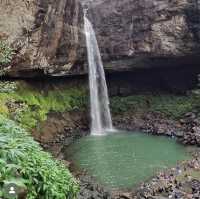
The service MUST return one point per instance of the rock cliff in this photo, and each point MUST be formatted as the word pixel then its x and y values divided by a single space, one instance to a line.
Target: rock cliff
pixel 48 35
pixel 147 33
pixel 44 34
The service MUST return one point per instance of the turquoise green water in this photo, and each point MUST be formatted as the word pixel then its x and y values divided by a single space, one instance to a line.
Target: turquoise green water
pixel 123 160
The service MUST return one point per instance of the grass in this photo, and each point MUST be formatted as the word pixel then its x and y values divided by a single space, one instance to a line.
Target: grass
pixel 23 163
pixel 171 106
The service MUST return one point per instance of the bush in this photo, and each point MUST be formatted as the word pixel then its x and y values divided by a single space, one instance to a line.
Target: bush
pixel 23 162
pixel 6 53
pixel 7 87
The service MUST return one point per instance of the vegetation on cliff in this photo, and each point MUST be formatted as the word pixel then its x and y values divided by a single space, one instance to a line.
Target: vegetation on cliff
pixel 23 162
pixel 169 105
pixel 6 53
pixel 29 106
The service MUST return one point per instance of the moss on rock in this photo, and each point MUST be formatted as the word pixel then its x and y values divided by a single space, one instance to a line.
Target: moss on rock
pixel 29 106
pixel 172 106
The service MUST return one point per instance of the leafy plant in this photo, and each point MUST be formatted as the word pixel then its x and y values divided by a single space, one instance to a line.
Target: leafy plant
pixel 6 53
pixel 23 162
pixel 7 86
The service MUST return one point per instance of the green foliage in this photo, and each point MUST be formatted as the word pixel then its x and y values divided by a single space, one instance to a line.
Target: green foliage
pixel 29 106
pixel 124 104
pixel 6 53
pixel 7 87
pixel 170 105
pixel 23 162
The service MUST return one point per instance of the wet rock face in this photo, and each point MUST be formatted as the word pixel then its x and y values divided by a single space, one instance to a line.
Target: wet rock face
pixel 48 35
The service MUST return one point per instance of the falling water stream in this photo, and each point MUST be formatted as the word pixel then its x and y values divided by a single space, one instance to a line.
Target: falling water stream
pixel 101 121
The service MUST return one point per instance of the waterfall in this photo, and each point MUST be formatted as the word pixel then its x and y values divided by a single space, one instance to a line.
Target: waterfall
pixel 101 121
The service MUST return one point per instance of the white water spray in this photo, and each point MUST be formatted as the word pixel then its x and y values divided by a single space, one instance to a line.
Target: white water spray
pixel 101 121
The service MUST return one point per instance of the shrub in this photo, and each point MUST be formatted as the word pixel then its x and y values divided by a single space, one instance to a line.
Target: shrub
pixel 7 87
pixel 23 162
pixel 6 53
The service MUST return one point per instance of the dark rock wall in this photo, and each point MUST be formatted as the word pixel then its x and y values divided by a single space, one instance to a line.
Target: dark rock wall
pixel 157 80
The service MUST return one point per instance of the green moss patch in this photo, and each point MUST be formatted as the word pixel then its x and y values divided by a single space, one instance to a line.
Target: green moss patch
pixel 29 106
pixel 23 163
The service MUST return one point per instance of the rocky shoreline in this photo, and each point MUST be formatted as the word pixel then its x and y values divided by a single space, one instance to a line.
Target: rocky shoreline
pixel 183 181
pixel 186 129
pixel 178 182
